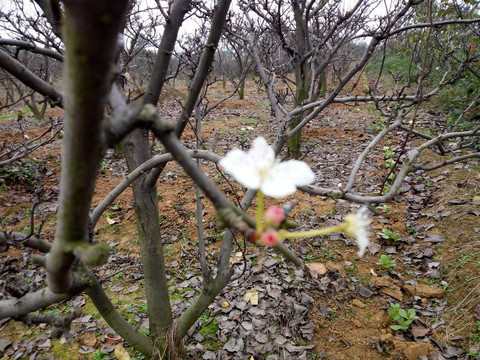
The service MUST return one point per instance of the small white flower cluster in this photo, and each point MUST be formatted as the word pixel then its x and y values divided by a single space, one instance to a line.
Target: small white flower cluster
pixel 258 169
pixel 356 226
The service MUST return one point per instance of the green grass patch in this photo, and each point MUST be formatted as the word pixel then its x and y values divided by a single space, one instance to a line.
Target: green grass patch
pixel 263 105
pixel 209 330
pixel 251 120
pixel 23 111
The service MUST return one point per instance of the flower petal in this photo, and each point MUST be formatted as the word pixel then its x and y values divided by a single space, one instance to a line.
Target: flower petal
pixel 239 164
pixel 261 153
pixel 258 168
pixel 357 226
pixel 294 171
pixel 362 242
pixel 277 187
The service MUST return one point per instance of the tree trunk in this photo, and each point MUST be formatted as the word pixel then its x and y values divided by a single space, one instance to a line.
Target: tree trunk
pixel 303 76
pixel 39 114
pixel 137 151
pixel 241 89
pixel 303 80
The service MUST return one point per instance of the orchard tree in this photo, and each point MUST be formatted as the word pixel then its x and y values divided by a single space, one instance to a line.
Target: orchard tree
pixel 343 32
pixel 301 37
pixel 305 37
pixel 237 50
pixel 311 39
pixel 90 32
pixel 29 47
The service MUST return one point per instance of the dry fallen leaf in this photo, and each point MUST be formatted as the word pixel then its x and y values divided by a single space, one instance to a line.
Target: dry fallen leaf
pixel 237 258
pixel 111 221
pixel 374 248
pixel 476 313
pixel 225 304
pixel 419 328
pixel 319 268
pixel 121 353
pixel 88 339
pixel 252 296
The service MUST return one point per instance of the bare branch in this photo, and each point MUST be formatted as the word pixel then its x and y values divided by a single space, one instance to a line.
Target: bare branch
pixel 52 12
pixel 30 146
pixel 407 167
pixel 203 68
pixel 25 45
pixel 366 151
pixel 33 242
pixel 155 161
pixel 30 302
pixel 105 307
pixel 446 162
pixel 434 25
pixel 165 49
pixel 83 144
pixel 30 79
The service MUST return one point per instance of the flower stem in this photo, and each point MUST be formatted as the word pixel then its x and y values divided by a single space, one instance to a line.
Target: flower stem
pixel 259 211
pixel 311 233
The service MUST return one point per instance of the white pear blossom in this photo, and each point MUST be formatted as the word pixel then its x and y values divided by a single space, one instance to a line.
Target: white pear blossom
pixel 258 169
pixel 357 226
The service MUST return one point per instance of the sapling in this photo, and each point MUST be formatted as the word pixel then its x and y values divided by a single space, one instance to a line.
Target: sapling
pixel 403 318
pixel 390 236
pixel 386 261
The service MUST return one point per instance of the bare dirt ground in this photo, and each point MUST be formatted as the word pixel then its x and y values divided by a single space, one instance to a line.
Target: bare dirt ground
pixel 339 313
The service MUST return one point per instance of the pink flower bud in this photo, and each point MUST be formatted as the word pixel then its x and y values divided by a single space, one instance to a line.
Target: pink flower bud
pixel 270 238
pixel 274 215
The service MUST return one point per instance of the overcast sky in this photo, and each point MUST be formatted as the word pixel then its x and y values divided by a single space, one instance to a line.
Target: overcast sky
pixel 190 24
